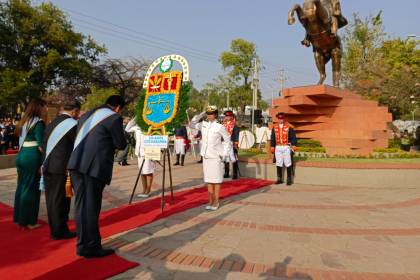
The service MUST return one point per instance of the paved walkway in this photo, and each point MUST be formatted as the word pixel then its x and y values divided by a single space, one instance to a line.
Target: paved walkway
pixel 298 232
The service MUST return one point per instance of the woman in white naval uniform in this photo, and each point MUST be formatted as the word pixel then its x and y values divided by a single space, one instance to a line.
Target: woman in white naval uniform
pixel 214 152
pixel 149 165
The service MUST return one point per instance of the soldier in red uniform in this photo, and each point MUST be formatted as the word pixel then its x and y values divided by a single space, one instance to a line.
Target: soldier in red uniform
pixel 283 144
pixel 230 124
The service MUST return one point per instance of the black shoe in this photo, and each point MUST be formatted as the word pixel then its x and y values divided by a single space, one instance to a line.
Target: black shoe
pixel 67 235
pixel 100 253
pixel 176 163
pixel 226 175
pixel 289 183
pixel 200 161
pixel 279 182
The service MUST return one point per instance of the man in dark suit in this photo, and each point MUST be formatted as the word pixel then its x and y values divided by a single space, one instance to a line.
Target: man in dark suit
pixel 55 173
pixel 90 166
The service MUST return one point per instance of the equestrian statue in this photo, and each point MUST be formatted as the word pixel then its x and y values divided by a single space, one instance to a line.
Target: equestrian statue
pixel 321 20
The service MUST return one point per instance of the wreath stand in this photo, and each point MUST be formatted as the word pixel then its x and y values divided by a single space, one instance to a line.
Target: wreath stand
pixel 166 155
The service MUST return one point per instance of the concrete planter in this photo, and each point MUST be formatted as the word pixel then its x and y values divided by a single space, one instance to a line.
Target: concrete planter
pixel 336 174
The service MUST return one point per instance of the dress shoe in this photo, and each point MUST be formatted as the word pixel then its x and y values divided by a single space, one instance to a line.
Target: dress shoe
pixel 214 207
pixel 67 235
pixel 100 253
pixel 279 182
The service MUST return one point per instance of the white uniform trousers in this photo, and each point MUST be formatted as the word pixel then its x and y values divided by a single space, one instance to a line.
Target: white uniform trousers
pixel 213 169
pixel 180 146
pixel 283 156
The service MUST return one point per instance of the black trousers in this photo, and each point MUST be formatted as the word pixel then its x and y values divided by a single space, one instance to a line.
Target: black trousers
pixel 58 205
pixel 88 193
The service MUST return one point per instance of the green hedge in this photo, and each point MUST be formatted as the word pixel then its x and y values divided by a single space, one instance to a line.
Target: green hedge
pixel 311 149
pixel 309 143
pixel 394 143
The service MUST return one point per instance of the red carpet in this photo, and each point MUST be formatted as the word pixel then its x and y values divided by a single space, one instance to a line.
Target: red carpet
pixel 31 254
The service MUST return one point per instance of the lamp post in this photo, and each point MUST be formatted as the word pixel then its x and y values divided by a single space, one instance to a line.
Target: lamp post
pixel 414 106
pixel 413 36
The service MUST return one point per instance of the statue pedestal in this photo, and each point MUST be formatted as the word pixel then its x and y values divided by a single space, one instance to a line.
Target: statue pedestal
pixel 341 120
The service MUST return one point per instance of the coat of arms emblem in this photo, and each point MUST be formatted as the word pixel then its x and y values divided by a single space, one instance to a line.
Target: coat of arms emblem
pixel 163 91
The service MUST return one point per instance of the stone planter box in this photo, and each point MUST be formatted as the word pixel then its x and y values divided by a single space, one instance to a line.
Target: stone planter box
pixel 377 175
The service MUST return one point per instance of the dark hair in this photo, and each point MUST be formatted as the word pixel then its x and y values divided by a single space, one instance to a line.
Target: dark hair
pixel 71 105
pixel 115 101
pixel 35 108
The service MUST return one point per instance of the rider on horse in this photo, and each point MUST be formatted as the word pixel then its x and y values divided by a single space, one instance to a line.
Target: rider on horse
pixel 336 18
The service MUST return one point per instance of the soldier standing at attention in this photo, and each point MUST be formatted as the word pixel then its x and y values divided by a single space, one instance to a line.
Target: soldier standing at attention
pixel 230 124
pixel 181 138
pixel 216 147
pixel 283 143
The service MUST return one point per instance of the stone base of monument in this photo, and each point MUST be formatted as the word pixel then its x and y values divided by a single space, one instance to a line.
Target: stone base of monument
pixel 341 120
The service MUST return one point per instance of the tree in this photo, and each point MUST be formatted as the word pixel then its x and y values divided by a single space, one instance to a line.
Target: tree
pixel 125 75
pixel 380 68
pixel 40 51
pixel 239 60
pixel 97 97
pixel 362 41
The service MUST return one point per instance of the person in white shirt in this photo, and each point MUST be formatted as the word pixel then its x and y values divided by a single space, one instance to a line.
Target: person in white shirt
pixel 148 166
pixel 216 146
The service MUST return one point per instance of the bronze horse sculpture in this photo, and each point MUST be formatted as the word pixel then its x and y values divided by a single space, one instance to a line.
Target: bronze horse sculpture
pixel 321 20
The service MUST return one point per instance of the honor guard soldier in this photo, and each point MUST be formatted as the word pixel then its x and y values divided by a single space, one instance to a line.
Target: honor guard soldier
pixel 58 144
pixel 181 139
pixel 216 147
pixel 230 124
pixel 283 143
pixel 99 132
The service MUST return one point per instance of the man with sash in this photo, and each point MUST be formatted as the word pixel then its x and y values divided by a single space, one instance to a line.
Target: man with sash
pixel 58 143
pixel 230 124
pixel 99 132
pixel 283 143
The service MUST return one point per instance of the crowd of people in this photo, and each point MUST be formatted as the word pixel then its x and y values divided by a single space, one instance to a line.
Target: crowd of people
pixel 8 139
pixel 75 153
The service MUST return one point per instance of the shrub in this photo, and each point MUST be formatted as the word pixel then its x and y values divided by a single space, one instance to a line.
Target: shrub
pixel 308 143
pixel 311 149
pixel 394 143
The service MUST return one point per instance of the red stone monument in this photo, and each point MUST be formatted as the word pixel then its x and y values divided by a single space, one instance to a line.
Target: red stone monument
pixel 341 120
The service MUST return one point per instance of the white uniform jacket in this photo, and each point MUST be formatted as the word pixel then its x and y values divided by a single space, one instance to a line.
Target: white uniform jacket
pixel 138 134
pixel 212 134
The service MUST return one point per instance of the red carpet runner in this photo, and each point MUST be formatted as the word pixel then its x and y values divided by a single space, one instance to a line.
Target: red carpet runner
pixel 32 255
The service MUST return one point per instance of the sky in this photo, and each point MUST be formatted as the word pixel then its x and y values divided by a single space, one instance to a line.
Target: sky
pixel 201 30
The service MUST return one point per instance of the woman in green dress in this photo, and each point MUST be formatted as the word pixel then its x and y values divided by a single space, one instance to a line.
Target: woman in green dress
pixel 30 131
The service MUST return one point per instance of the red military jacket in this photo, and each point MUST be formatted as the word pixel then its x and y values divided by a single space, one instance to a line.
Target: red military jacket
pixel 281 134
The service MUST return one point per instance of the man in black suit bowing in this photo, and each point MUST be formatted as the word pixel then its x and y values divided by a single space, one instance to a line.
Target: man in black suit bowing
pixel 99 133
pixel 58 142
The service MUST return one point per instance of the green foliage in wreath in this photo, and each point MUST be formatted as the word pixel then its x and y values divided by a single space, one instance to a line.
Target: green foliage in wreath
pixel 181 116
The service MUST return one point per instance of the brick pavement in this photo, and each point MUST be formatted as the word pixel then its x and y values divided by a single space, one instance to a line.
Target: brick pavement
pixel 298 232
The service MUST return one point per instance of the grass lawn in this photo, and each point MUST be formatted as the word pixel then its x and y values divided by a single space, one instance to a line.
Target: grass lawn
pixel 341 160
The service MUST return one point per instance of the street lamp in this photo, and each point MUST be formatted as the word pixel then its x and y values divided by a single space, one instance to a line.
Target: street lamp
pixel 412 36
